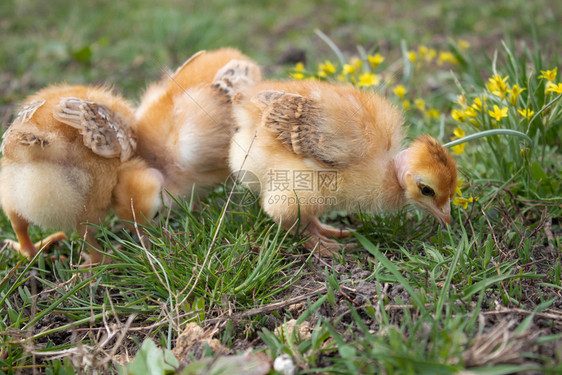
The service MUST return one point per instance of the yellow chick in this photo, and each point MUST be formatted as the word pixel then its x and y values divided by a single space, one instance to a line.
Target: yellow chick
pixel 184 121
pixel 315 146
pixel 62 157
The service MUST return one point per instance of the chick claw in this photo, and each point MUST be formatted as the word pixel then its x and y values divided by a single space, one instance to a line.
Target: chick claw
pixel 29 250
pixel 326 247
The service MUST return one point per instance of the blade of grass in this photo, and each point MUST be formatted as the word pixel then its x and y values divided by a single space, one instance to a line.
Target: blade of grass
pixel 488 133
pixel 371 248
pixel 332 46
pixel 484 284
pixel 64 297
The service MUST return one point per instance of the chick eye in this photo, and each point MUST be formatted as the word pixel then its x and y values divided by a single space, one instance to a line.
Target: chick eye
pixel 427 191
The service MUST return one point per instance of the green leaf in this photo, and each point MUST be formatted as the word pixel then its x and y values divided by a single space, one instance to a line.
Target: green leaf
pixel 83 55
pixel 347 351
pixel 151 360
pixel 537 173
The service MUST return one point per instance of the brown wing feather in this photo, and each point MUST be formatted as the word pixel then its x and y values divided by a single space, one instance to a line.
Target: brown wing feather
pixel 26 112
pixel 300 126
pixel 24 138
pixel 103 130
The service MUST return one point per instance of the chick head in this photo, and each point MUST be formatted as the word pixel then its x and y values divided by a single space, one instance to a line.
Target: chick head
pixel 430 177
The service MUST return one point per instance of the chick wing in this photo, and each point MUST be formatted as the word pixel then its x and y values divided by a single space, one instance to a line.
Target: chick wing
pixel 103 131
pixel 301 125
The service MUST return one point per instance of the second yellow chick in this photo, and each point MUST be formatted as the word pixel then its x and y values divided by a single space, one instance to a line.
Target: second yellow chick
pixel 316 146
pixel 185 121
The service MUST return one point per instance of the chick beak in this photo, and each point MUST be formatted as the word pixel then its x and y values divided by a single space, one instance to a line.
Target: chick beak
pixel 444 214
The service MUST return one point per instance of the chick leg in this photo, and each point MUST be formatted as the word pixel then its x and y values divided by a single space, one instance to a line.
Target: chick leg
pixel 24 245
pixel 300 218
pixel 330 231
pixel 94 257
pixel 320 238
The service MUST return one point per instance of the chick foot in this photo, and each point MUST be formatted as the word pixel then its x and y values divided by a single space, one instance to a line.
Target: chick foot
pixel 326 247
pixel 29 249
pixel 321 240
pixel 94 257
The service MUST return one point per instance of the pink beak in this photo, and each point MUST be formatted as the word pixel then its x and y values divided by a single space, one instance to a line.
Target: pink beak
pixel 444 215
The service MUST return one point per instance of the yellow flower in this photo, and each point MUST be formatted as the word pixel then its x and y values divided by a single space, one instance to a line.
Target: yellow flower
pixel 412 56
pixel 406 104
pixel 348 69
pixel 555 88
pixel 525 151
pixel 498 113
pixel 463 44
pixel 326 69
pixel 474 122
pixel 459 133
pixel 368 79
pixel 426 54
pixel 458 149
pixel 298 71
pixel 431 54
pixel 420 104
pixel 458 115
pixel 549 75
pixel 470 112
pixel 477 104
pixel 375 60
pixel 458 188
pixel 446 57
pixel 329 67
pixel 460 201
pixel 432 113
pixel 514 94
pixel 498 86
pixel 356 62
pixel 527 113
pixel 461 99
pixel 400 91
pixel 516 90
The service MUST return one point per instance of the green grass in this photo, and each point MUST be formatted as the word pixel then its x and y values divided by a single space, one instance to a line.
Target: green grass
pixel 483 295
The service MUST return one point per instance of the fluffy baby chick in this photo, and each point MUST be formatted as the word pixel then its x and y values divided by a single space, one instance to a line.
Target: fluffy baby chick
pixel 62 156
pixel 316 147
pixel 185 120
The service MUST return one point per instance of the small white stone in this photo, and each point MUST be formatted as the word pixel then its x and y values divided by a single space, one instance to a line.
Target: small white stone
pixel 284 364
